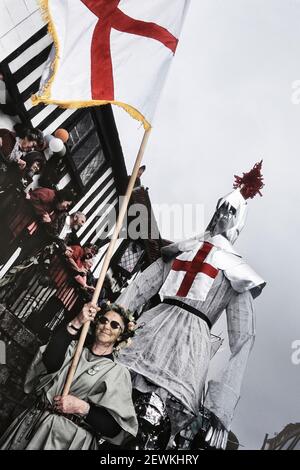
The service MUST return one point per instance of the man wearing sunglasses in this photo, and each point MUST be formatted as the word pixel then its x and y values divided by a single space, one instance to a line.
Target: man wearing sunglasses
pixel 77 254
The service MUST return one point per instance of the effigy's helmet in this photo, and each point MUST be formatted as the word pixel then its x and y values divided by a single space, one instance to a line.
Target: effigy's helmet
pixel 231 211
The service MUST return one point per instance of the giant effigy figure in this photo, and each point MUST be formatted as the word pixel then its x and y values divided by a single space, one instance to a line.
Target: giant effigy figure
pixel 197 280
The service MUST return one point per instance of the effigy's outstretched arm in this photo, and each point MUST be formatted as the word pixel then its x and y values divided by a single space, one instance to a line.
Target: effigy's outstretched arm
pixel 145 286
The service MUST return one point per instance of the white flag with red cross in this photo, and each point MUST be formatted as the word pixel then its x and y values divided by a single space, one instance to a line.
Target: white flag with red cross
pixel 110 51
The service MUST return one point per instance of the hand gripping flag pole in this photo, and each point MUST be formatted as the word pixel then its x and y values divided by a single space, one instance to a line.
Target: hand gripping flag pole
pixel 107 259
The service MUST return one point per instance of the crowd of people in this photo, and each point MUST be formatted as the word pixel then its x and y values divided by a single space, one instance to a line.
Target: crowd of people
pixel 35 218
pixel 22 158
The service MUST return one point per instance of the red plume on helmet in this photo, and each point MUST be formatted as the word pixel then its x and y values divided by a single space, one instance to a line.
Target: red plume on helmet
pixel 250 183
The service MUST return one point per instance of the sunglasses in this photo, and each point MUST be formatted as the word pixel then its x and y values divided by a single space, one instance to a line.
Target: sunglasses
pixel 113 323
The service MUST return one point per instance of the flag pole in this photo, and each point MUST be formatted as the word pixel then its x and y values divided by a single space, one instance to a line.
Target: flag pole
pixel 107 259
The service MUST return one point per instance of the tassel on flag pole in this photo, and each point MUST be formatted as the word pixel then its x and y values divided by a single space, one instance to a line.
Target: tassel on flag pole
pixel 250 183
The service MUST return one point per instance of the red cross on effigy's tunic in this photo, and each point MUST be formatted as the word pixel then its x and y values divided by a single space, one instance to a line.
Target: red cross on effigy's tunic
pixel 192 268
pixel 111 17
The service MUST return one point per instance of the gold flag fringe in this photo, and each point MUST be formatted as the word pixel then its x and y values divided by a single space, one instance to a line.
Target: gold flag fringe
pixel 134 113
pixel 46 15
pixel 45 96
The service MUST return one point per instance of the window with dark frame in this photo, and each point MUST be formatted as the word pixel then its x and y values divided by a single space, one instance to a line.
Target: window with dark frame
pixel 86 151
pixel 131 258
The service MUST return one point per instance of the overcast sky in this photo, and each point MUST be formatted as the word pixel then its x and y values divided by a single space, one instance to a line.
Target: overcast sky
pixel 227 103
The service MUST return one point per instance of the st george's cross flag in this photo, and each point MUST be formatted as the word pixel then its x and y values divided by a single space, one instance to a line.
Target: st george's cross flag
pixel 192 273
pixel 110 51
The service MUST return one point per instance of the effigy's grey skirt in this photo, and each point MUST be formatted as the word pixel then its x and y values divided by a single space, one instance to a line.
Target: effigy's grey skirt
pixel 171 351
